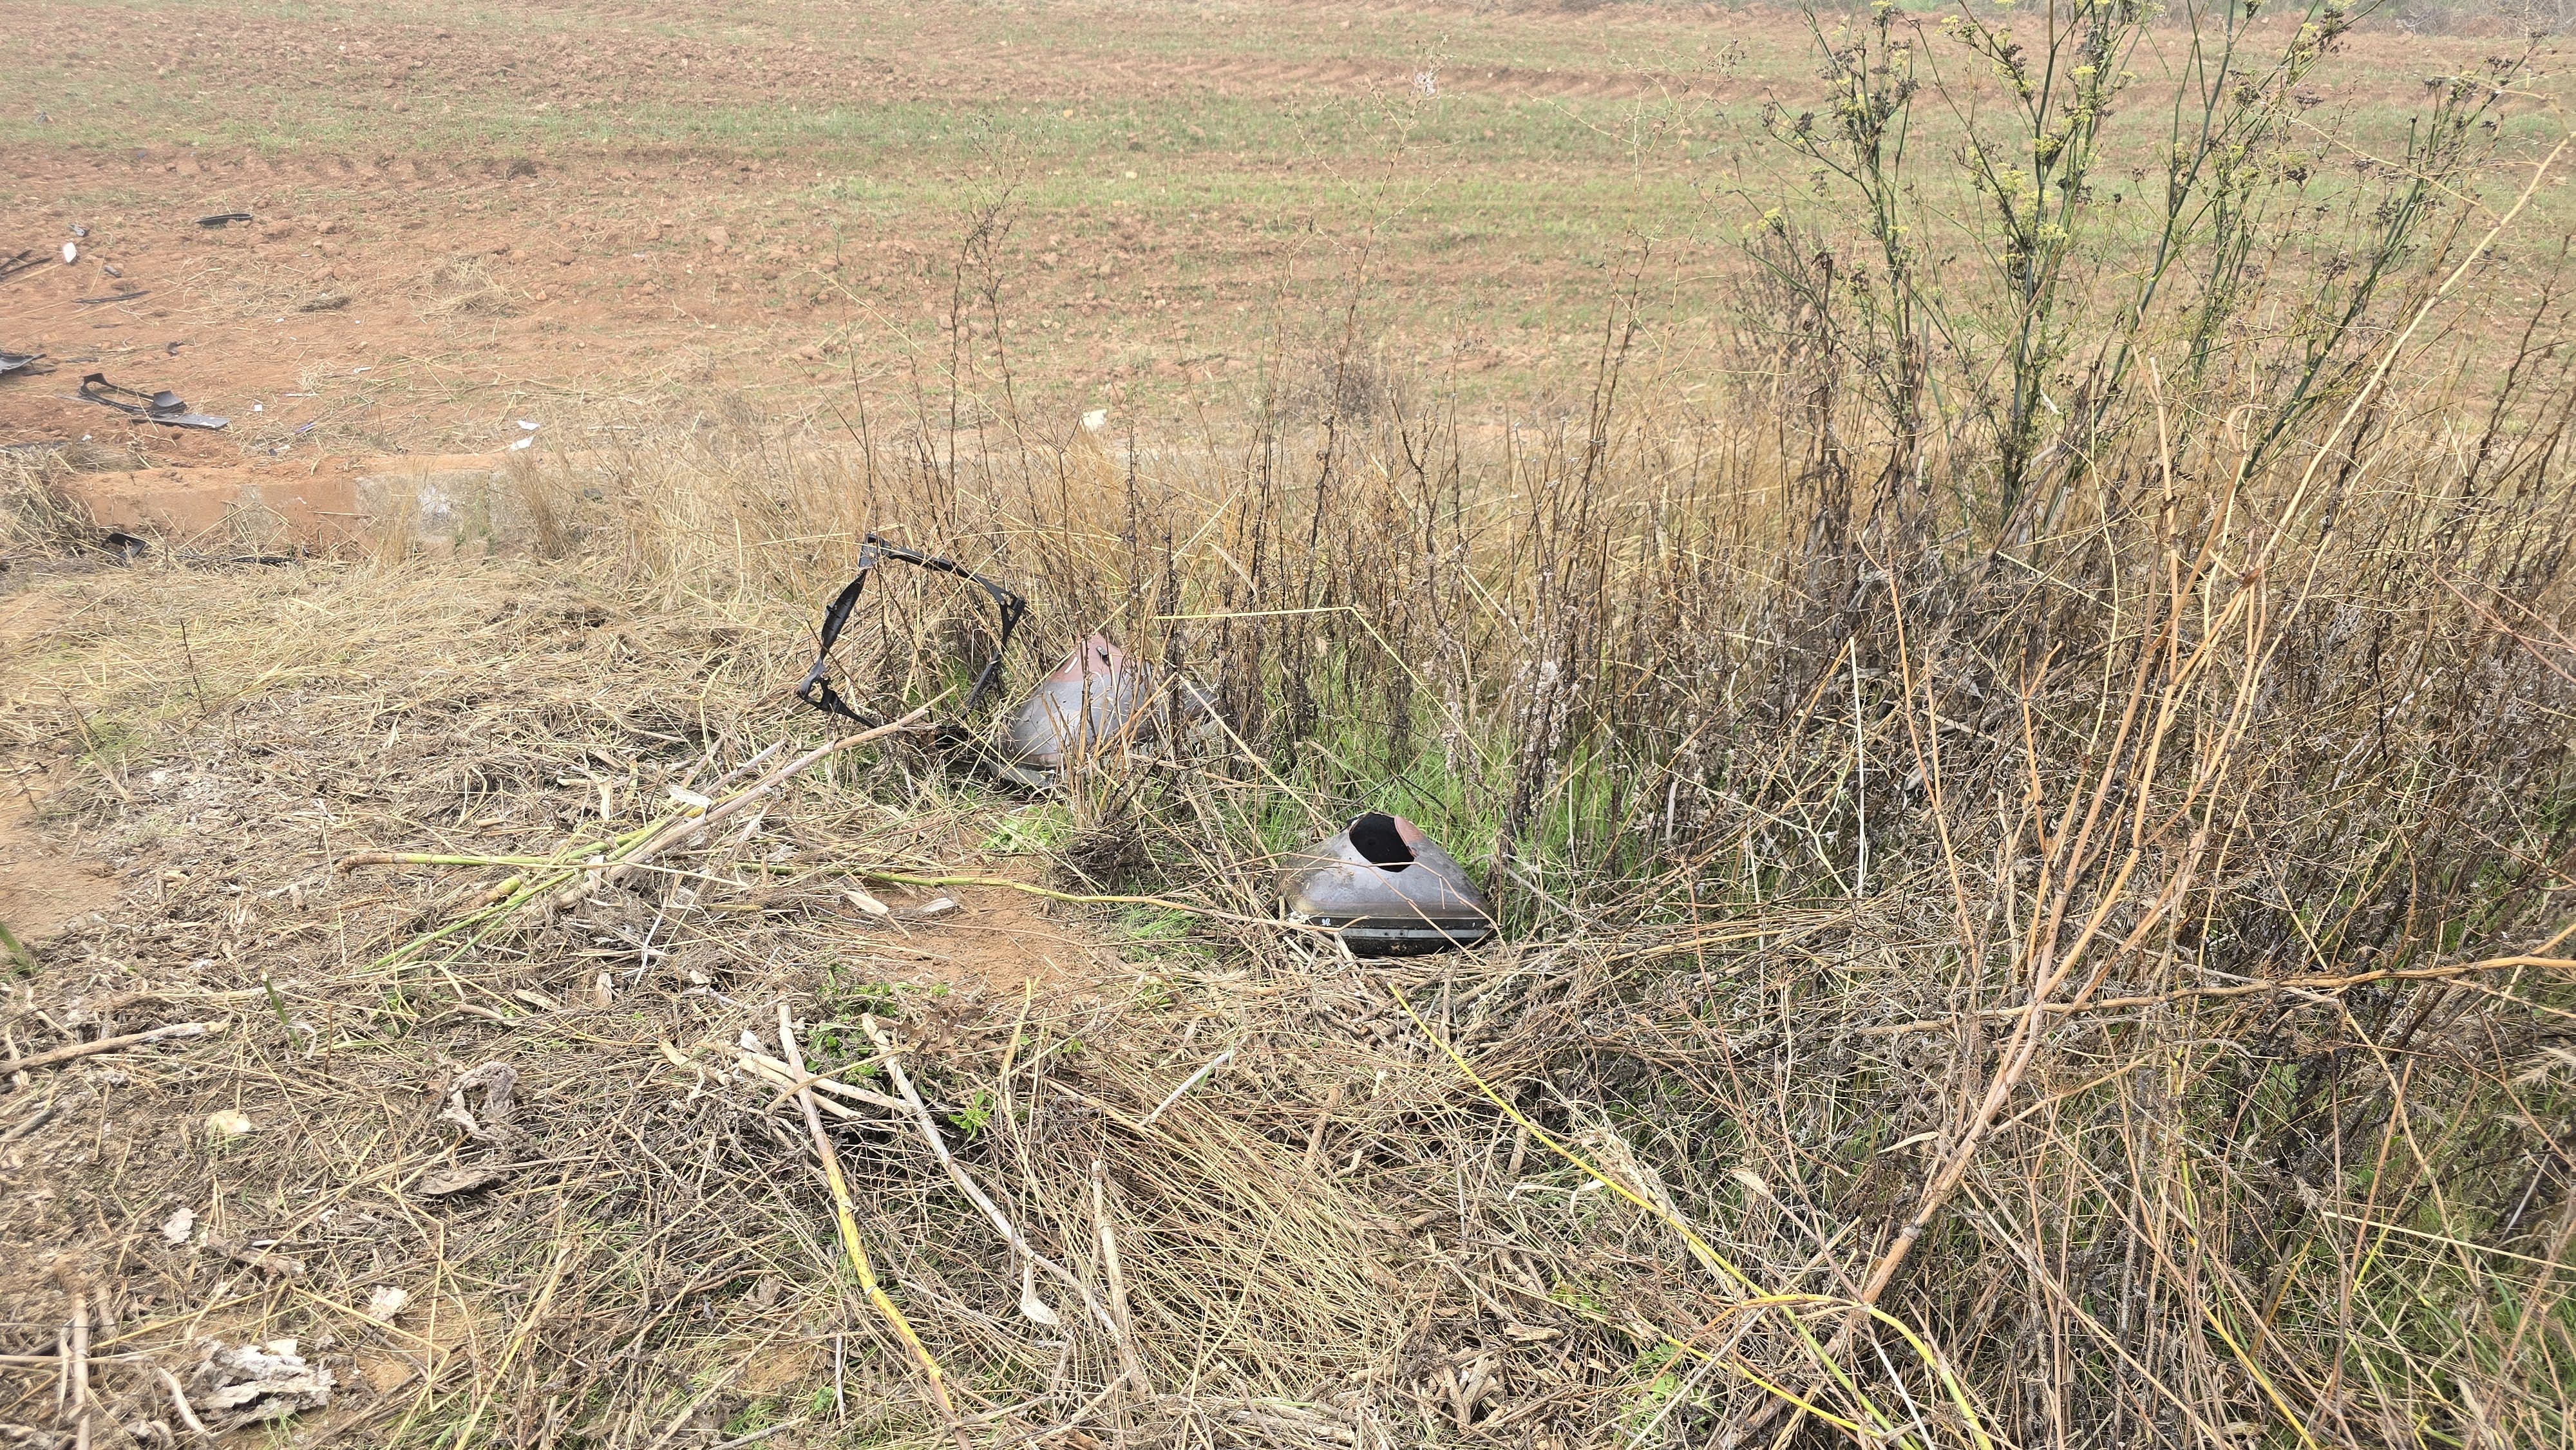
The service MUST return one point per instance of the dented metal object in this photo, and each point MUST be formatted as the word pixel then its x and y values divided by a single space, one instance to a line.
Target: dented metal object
pixel 816 689
pixel 1097 699
pixel 1389 889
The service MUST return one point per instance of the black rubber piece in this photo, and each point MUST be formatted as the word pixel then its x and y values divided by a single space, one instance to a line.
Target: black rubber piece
pixel 816 689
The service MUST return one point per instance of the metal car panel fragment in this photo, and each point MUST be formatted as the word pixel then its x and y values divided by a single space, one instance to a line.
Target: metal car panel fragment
pixel 1101 701
pixel 1387 888
pixel 1096 699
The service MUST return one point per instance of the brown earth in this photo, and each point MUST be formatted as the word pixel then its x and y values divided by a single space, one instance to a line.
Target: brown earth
pixel 44 885
pixel 583 262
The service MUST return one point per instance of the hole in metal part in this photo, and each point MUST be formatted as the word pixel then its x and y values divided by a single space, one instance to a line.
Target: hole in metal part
pixel 1377 838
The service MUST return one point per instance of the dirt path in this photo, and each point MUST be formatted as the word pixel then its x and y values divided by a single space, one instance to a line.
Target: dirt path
pixel 44 887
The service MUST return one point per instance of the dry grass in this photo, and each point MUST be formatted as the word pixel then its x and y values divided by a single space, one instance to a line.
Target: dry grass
pixel 2081 968
pixel 2200 1008
pixel 465 287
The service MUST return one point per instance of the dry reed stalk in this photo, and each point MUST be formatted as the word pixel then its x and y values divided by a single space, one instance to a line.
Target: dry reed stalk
pixel 71 1052
pixel 938 1145
pixel 844 1217
pixel 674 830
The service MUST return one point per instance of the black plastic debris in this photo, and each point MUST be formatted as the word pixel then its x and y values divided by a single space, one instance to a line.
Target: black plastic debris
pixel 816 689
pixel 10 362
pixel 1387 888
pixel 163 407
pixel 26 261
pixel 139 292
pixel 223 219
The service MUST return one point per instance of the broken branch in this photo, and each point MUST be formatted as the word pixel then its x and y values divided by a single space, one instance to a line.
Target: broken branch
pixel 70 1051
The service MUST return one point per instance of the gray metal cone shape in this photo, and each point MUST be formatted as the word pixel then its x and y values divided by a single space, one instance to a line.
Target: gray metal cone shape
pixel 1388 888
pixel 1096 699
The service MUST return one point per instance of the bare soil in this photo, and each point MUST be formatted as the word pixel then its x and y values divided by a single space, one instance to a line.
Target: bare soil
pixel 45 884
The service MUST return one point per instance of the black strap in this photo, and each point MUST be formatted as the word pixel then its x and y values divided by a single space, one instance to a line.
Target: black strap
pixel 817 691
pixel 164 404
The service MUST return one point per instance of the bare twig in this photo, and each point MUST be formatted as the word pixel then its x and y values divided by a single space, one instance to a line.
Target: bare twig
pixel 965 1183
pixel 176 1031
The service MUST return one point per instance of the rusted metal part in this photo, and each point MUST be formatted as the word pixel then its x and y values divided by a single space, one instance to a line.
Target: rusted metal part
pixel 1388 888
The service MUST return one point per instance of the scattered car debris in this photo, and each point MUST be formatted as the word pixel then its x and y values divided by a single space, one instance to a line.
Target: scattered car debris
pixel 112 297
pixel 1097 700
pixel 111 269
pixel 162 407
pixel 243 1384
pixel 25 261
pixel 816 689
pixel 71 253
pixel 10 362
pixel 223 218
pixel 324 302
pixel 1388 888
pixel 79 231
